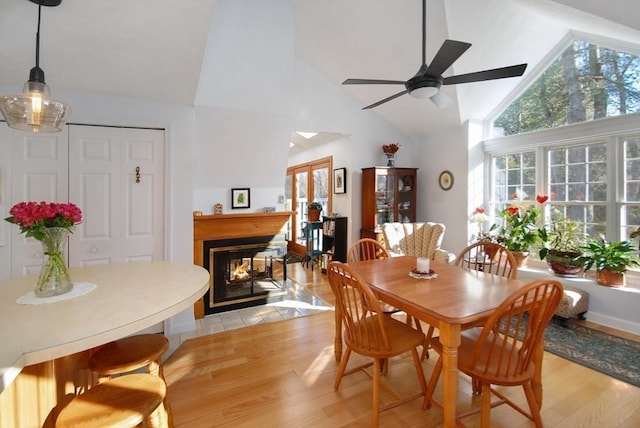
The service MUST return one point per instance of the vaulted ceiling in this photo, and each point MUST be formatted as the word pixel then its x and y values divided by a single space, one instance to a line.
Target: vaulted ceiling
pixel 154 49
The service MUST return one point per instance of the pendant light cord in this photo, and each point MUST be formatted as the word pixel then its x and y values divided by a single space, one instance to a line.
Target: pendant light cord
pixel 38 38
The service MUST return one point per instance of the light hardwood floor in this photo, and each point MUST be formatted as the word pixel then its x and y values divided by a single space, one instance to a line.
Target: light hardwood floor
pixel 281 374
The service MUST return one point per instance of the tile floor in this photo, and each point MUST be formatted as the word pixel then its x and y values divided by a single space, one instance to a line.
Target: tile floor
pixel 297 302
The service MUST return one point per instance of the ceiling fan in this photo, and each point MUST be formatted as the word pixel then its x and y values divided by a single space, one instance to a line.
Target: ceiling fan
pixel 428 80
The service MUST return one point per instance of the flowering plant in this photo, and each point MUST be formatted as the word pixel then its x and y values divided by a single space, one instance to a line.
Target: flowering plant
pixel 479 217
pixel 520 229
pixel 50 224
pixel 390 148
pixel 33 217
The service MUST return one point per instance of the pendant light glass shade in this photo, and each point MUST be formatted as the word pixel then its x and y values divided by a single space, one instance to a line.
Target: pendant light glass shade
pixel 34 110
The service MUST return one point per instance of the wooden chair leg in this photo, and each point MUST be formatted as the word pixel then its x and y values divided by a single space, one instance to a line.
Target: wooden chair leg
pixel 343 365
pixel 435 375
pixel 376 392
pixel 426 346
pixel 533 405
pixel 485 418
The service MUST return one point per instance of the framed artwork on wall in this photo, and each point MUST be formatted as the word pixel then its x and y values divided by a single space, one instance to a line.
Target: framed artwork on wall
pixel 340 180
pixel 240 198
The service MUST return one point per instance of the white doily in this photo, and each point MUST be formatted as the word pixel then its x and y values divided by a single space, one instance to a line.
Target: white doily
pixel 79 289
pixel 417 275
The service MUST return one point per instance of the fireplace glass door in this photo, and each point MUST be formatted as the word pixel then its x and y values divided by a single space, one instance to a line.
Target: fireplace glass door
pixel 246 272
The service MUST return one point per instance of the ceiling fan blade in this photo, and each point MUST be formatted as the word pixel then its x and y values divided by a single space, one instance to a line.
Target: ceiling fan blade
pixel 385 100
pixel 496 73
pixel 449 52
pixel 441 100
pixel 372 82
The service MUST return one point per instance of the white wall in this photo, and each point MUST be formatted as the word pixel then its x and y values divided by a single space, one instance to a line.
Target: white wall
pixel 445 152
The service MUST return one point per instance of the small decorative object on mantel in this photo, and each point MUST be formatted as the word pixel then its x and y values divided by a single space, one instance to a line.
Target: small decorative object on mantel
pixel 217 209
pixel 49 223
pixel 390 151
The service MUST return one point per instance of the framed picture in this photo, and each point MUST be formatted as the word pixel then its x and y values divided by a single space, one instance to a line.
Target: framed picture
pixel 340 180
pixel 240 198
pixel 445 180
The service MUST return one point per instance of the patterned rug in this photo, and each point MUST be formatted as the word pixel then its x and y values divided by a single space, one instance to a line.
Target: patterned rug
pixel 608 354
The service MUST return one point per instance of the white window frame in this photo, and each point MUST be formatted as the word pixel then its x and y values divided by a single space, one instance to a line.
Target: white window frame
pixel 611 131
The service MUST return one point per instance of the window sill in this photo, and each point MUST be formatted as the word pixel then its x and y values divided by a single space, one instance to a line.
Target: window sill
pixel 538 269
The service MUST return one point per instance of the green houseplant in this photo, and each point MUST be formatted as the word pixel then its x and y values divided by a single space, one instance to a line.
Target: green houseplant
pixel 562 246
pixel 314 209
pixel 611 259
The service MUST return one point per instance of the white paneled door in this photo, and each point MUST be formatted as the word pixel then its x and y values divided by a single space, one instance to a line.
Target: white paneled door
pixel 118 181
pixel 115 175
pixel 38 172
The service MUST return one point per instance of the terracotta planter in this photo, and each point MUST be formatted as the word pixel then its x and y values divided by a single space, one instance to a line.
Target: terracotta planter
pixel 314 215
pixel 521 258
pixel 610 278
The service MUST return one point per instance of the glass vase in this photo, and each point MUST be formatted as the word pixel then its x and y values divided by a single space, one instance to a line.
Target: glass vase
pixel 54 275
pixel 391 159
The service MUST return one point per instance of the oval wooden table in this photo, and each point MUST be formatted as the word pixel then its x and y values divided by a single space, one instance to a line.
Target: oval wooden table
pixel 44 348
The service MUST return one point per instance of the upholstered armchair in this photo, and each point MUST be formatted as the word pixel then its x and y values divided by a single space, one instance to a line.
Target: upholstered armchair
pixel 416 239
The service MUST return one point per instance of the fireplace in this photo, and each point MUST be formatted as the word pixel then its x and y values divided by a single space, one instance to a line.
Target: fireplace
pixel 245 256
pixel 244 272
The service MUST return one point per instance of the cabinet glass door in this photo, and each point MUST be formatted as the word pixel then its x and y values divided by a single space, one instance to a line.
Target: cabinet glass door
pixel 385 199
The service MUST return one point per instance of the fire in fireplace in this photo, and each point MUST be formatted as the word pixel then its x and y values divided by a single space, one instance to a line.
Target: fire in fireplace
pixel 244 274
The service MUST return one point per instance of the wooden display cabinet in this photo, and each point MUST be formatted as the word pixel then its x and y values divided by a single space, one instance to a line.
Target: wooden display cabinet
pixel 388 195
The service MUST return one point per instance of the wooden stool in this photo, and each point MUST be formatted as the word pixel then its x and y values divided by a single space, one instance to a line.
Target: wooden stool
pixel 126 401
pixel 132 353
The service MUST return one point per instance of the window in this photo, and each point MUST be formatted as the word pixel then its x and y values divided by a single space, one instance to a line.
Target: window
pixel 595 181
pixel 585 82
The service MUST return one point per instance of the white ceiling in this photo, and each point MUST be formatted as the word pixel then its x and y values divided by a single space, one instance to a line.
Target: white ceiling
pixel 154 48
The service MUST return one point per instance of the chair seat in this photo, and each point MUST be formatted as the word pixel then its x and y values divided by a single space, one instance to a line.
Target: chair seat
pixel 468 340
pixel 401 339
pixel 123 402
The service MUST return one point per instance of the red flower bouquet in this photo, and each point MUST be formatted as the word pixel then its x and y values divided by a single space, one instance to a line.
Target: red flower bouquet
pixel 49 223
pixel 33 217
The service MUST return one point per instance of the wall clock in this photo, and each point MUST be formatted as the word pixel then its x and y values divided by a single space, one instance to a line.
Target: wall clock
pixel 445 180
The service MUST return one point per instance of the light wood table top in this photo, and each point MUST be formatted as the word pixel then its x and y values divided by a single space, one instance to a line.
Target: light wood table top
pixel 129 297
pixel 456 298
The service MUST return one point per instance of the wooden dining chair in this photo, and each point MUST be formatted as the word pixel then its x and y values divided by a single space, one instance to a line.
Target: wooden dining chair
pixel 503 351
pixel 488 257
pixel 371 334
pixel 366 249
pixel 370 249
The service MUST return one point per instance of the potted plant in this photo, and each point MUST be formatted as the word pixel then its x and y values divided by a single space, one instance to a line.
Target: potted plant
pixel 519 231
pixel 314 209
pixel 611 259
pixel 563 246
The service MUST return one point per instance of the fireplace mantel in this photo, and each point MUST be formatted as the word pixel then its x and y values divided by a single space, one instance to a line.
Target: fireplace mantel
pixel 233 226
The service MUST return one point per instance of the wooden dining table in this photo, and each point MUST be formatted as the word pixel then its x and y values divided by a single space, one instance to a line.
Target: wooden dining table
pixel 456 299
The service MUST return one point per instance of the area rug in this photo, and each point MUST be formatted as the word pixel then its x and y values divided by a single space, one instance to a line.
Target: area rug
pixel 608 354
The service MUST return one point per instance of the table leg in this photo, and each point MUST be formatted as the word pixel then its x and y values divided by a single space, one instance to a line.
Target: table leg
pixel 450 340
pixel 337 343
pixel 536 383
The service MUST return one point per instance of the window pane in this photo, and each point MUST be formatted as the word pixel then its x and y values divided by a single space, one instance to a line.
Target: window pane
pixel 632 170
pixel 631 220
pixel 584 83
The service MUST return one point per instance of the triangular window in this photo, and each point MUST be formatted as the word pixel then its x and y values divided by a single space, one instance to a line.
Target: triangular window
pixel 584 83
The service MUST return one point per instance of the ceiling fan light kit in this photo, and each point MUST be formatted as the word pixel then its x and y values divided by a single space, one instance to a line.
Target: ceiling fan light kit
pixel 34 110
pixel 427 81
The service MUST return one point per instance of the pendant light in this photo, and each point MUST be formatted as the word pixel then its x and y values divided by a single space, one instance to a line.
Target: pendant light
pixel 33 110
